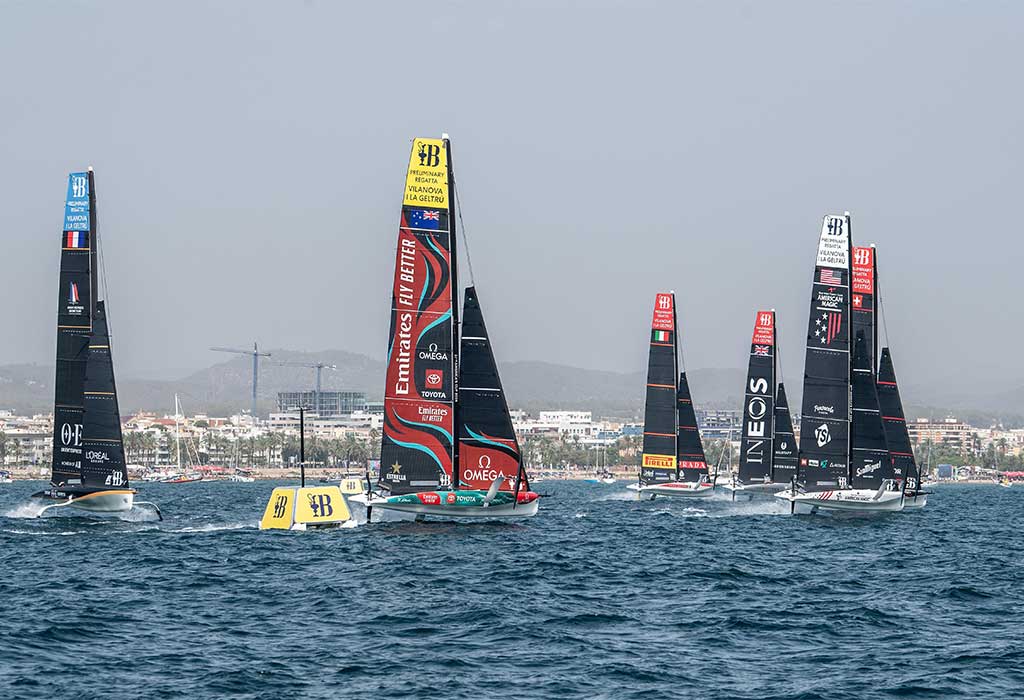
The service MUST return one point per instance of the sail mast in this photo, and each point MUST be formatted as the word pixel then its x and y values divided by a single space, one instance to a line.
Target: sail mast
pixel 454 271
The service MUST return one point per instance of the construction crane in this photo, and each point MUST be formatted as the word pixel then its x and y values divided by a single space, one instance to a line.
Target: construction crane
pixel 319 367
pixel 256 355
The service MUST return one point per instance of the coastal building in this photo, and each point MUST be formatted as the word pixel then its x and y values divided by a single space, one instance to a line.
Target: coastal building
pixel 950 433
pixel 716 424
pixel 324 403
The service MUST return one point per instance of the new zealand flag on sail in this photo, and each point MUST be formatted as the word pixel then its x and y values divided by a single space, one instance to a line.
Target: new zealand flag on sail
pixel 424 219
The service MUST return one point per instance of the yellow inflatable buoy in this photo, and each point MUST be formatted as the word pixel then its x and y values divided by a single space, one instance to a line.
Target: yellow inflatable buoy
pixel 300 508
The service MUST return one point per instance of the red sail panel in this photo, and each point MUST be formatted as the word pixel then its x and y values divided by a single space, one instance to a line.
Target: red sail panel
pixel 417 445
pixel 863 300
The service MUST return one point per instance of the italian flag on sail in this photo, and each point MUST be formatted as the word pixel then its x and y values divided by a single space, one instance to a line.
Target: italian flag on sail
pixel 660 336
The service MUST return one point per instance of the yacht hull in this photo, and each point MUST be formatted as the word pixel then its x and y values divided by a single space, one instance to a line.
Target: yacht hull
pixel 845 500
pixel 684 489
pixel 456 504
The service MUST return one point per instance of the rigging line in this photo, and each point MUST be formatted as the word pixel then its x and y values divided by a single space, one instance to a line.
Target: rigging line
pixel 103 281
pixel 778 357
pixel 462 226
pixel 881 311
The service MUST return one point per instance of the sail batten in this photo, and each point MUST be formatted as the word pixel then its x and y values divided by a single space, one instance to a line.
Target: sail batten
pixel 659 460
pixel 824 448
pixel 757 437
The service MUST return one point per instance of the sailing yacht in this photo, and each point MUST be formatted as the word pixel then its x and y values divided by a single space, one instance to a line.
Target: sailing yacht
pixel 448 446
pixel 844 462
pixel 673 461
pixel 759 445
pixel 88 469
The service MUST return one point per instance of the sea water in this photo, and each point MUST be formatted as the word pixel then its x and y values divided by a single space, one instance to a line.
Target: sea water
pixel 601 595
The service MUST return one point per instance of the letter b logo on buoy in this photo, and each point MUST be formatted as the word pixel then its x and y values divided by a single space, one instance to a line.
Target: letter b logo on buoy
pixel 321 505
pixel 279 506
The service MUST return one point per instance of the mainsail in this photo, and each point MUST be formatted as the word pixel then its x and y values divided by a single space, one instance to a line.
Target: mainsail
pixel 758 403
pixel 418 451
pixel 75 308
pixel 784 449
pixel 488 448
pixel 825 415
pixel 658 463
pixel 864 301
pixel 870 463
pixel 693 465
pixel 102 445
pixel 896 435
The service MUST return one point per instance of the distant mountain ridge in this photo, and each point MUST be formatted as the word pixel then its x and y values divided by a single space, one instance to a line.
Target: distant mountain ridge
pixel 224 388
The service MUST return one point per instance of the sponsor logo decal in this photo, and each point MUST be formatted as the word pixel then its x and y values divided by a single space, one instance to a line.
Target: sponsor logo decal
pixel 429 498
pixel 434 378
pixel 451 498
pixel 822 409
pixel 659 461
pixel 858 301
pixel 426 184
pixel 663 313
pixel 71 434
pixel 396 473
pixel 828 326
pixel 863 272
pixel 821 435
pixel 279 506
pixel 320 504
pixel 834 243
pixel 869 468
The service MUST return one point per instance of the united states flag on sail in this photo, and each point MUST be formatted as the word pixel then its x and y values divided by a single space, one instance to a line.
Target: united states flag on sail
pixel 829 277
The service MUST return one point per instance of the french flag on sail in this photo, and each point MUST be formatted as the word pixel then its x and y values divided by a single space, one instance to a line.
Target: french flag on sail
pixel 73 293
pixel 75 239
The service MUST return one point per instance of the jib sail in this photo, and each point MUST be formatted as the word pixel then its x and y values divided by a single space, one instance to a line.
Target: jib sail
pixel 759 403
pixel 658 463
pixel 75 308
pixel 895 422
pixel 825 415
pixel 102 444
pixel 693 466
pixel 488 447
pixel 418 448
pixel 784 450
pixel 870 462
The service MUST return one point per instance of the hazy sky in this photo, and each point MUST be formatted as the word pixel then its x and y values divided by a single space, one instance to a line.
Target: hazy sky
pixel 250 161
